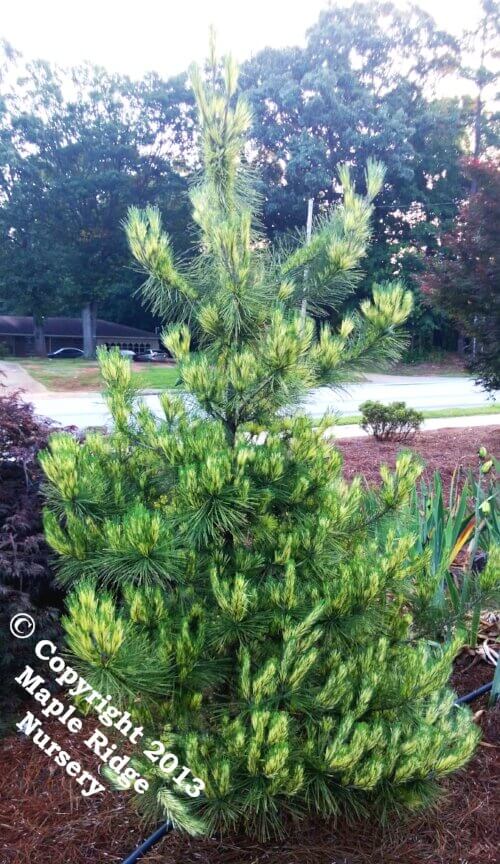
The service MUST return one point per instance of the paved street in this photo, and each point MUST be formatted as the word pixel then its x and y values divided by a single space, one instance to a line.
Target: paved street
pixel 425 393
pixel 422 392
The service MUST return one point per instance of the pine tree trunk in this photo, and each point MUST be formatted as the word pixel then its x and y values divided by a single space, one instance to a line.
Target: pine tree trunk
pixel 39 336
pixel 89 324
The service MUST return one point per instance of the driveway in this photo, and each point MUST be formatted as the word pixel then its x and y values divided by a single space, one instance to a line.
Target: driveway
pixel 424 393
pixel 14 377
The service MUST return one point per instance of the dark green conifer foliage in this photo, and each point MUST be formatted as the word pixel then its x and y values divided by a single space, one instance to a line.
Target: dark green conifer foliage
pixel 233 597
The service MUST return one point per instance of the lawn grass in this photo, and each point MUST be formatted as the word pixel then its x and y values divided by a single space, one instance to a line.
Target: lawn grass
pixel 154 377
pixel 79 374
pixel 494 408
pixel 64 375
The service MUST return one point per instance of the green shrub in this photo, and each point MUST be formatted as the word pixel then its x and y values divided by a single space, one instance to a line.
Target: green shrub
pixel 235 600
pixel 393 422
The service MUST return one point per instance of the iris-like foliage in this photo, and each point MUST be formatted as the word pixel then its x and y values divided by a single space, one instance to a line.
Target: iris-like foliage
pixel 261 626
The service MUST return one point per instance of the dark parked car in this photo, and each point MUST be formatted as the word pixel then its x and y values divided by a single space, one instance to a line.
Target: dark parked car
pixel 145 357
pixel 64 353
pixel 153 357
pixel 162 357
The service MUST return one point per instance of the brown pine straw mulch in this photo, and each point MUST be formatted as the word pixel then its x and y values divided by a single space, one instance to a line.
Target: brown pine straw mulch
pixel 43 817
pixel 442 450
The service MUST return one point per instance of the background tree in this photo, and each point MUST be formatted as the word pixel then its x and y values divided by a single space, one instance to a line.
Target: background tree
pixel 77 163
pixel 366 85
pixel 29 255
pixel 252 622
pixel 464 278
pixel 480 65
pixel 32 262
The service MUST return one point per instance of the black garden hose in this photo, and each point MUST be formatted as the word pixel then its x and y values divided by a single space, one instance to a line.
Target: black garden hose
pixel 464 700
pixel 149 843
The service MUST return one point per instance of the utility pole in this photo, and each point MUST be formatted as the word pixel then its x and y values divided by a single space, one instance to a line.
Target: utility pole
pixel 303 309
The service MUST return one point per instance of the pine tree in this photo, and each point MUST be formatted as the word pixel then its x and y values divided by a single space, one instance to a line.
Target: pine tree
pixel 227 587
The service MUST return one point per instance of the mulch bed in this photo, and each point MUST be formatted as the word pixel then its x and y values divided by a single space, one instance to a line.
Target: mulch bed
pixel 44 818
pixel 442 450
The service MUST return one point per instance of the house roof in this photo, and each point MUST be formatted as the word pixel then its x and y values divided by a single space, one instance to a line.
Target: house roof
pixel 22 325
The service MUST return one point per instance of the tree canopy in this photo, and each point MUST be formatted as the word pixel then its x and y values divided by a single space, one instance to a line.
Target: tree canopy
pixel 464 277
pixel 84 147
pixel 79 146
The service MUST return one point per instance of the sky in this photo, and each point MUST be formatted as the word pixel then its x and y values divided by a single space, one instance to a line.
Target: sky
pixel 131 37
